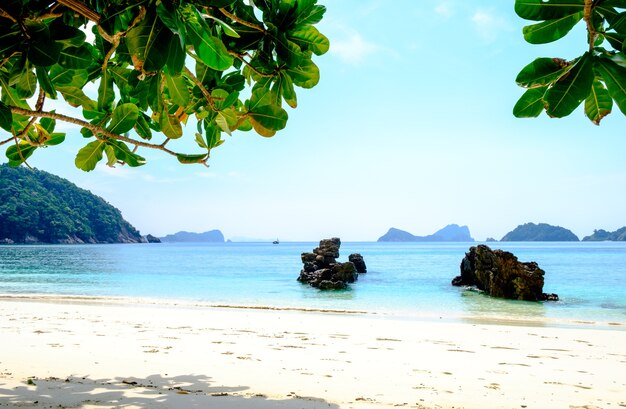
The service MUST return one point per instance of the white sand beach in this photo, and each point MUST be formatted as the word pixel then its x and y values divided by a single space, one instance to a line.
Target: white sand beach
pixel 90 353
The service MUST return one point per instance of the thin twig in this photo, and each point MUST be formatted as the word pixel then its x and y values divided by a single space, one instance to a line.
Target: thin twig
pixel 116 38
pixel 7 140
pixel 93 128
pixel 241 21
pixel 204 91
pixel 48 15
pixel 588 17
pixel 24 133
pixel 82 9
pixel 240 57
pixel 7 15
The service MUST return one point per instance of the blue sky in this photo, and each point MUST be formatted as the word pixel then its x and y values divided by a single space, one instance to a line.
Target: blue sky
pixel 410 127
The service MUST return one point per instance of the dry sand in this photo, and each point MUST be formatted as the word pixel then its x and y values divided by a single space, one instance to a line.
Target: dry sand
pixel 74 353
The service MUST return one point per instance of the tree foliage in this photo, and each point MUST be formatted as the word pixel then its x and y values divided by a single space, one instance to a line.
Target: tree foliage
pixel 152 64
pixel 36 206
pixel 597 77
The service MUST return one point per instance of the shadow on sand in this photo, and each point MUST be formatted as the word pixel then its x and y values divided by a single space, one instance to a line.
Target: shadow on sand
pixel 155 391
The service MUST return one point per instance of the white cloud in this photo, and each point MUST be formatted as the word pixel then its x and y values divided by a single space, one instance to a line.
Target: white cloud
pixel 444 9
pixel 488 25
pixel 354 49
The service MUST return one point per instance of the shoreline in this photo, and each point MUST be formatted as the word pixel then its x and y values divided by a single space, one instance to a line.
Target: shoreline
pixel 426 316
pixel 108 354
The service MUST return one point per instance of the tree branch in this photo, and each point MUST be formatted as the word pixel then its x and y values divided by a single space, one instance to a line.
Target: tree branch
pixel 80 8
pixel 259 73
pixel 116 38
pixel 7 15
pixel 93 128
pixel 588 17
pixel 7 140
pixel 203 89
pixel 241 21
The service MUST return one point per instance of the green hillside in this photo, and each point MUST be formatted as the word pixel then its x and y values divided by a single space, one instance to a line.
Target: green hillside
pixel 38 207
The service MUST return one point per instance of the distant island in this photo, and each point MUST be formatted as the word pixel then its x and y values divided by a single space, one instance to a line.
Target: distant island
pixel 213 236
pixel 39 207
pixel 603 235
pixel 539 232
pixel 452 232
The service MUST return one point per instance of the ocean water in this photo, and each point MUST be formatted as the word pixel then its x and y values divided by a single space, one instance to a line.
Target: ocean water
pixel 404 279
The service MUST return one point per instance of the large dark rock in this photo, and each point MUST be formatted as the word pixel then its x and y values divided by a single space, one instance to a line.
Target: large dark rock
pixel 152 239
pixel 321 269
pixel 499 274
pixel 358 262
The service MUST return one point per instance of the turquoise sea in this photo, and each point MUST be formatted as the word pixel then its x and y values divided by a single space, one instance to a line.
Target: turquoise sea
pixel 404 279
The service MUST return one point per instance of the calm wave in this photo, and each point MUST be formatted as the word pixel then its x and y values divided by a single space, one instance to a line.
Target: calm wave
pixel 406 278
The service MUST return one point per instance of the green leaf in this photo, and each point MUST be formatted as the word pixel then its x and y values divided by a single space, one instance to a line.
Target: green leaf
pixel 267 119
pixel 76 57
pixel 146 43
pixel 541 72
pixel 45 83
pixel 547 9
pixel 27 85
pixel 308 12
pixel 88 156
pixel 227 120
pixel 200 141
pixel 614 76
pixel 170 126
pixel 124 154
pixel 175 56
pixel 213 136
pixel 48 124
pixel 56 138
pixel 571 89
pixel 599 102
pixel 76 97
pixel 220 97
pixel 71 78
pixel 262 95
pixel 210 49
pixel 306 75
pixel 6 117
pixel 18 154
pixel 309 38
pixel 143 128
pixel 110 152
pixel 189 159
pixel 228 30
pixel 42 50
pixel 551 30
pixel 177 90
pixel 124 118
pixel 106 94
pixel 531 104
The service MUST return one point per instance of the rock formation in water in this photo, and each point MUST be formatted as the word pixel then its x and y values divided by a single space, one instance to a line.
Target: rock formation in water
pixel 358 262
pixel 213 236
pixel 499 274
pixel 152 239
pixel 539 232
pixel 603 235
pixel 321 269
pixel 452 232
